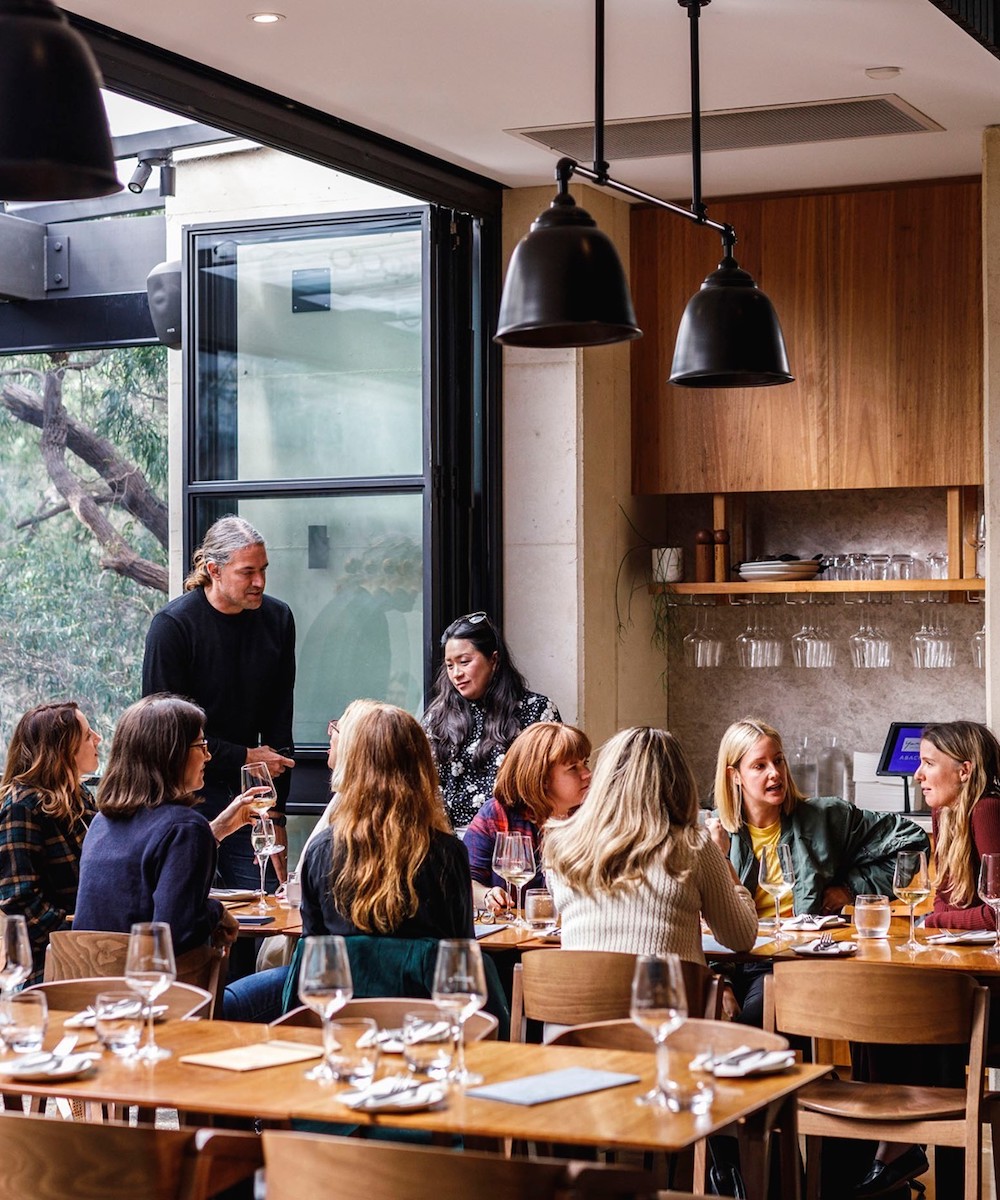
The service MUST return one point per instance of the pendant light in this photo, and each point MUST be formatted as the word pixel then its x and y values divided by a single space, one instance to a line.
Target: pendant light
pixel 565 284
pixel 54 138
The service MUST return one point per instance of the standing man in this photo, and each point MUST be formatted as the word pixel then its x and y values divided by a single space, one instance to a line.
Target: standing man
pixel 231 649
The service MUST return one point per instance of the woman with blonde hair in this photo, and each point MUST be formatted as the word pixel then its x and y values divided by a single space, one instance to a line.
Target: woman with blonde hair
pixel 631 870
pixel 45 809
pixel 545 774
pixel 387 863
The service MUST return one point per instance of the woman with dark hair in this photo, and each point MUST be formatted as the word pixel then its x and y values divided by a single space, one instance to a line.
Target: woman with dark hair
pixel 480 704
pixel 387 864
pixel 148 855
pixel 544 774
pixel 44 813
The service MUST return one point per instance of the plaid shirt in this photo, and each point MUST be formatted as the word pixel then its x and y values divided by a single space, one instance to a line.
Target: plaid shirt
pixel 39 866
pixel 481 836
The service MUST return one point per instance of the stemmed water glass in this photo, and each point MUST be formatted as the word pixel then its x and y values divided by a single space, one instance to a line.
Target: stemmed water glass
pixel 521 869
pixel 256 777
pixel 264 841
pixel 149 970
pixel 459 990
pixel 501 858
pixel 776 877
pixel 659 1003
pixel 325 985
pixel 989 891
pixel 15 953
pixel 911 884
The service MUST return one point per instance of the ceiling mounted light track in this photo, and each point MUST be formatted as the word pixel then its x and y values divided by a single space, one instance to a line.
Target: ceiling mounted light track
pixel 566 286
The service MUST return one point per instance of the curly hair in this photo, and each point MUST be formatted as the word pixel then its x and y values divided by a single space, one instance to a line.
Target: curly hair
pixel 42 757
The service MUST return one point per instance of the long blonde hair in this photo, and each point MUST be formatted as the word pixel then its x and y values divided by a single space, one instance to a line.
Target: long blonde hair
pixel 42 758
pixel 388 806
pixel 965 742
pixel 642 805
pixel 738 739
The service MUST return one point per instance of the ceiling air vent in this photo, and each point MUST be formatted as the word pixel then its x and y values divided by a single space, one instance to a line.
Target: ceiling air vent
pixel 738 129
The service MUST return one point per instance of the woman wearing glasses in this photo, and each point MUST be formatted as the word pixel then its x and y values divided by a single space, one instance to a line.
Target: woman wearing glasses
pixel 45 809
pixel 480 704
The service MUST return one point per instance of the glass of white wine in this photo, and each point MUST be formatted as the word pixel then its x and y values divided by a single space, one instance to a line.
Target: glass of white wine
pixel 521 869
pixel 989 891
pixel 911 884
pixel 149 970
pixel 256 777
pixel 776 877
pixel 264 841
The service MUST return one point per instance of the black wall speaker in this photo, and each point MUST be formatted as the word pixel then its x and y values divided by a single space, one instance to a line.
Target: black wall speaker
pixel 163 288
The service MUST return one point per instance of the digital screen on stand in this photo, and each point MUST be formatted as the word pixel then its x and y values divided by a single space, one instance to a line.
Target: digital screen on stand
pixel 901 752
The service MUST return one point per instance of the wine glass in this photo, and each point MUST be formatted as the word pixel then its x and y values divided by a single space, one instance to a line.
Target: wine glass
pixel 459 990
pixel 776 877
pixel 15 953
pixel 911 883
pixel 256 776
pixel 501 856
pixel 149 970
pixel 521 869
pixel 659 1003
pixel 265 843
pixel 989 891
pixel 325 985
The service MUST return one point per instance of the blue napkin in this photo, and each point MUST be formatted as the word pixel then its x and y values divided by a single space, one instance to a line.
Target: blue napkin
pixel 486 930
pixel 551 1085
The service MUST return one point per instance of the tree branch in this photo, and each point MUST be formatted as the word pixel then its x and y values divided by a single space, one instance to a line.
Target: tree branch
pixel 38 518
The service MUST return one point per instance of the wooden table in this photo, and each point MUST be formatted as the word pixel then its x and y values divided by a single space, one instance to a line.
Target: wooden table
pixel 608 1118
pixel 287 922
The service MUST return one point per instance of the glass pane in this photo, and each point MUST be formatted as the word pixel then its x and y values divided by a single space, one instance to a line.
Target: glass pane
pixel 311 362
pixel 351 568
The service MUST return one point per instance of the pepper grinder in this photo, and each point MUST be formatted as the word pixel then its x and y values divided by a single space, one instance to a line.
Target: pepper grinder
pixel 703 556
pixel 721 540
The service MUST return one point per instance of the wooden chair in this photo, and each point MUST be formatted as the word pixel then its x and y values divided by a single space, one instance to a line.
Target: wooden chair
pixel 895 1005
pixel 578 987
pixel 184 1001
pixel 86 954
pixel 47 1159
pixel 300 1165
pixel 389 1012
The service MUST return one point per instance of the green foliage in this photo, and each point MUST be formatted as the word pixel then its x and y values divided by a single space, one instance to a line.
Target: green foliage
pixel 67 628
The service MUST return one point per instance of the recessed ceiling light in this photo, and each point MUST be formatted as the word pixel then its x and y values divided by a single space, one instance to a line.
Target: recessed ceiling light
pixel 883 72
pixel 265 18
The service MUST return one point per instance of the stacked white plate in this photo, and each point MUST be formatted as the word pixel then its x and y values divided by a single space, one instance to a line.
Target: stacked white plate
pixel 777 570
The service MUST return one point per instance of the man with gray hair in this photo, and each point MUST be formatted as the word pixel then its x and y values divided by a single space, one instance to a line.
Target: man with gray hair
pixel 231 649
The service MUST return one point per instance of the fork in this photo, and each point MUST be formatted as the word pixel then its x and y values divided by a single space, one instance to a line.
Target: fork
pixel 824 943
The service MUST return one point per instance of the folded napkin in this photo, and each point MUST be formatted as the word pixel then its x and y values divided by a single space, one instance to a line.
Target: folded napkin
pixel 395 1093
pixel 87 1019
pixel 744 1061
pixel 813 921
pixel 256 1056
pixel 954 937
pixel 391 1040
pixel 485 930
pixel 833 950
pixel 232 894
pixel 551 1085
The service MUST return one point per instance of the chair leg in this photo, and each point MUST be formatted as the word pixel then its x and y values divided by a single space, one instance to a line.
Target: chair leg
pixel 700 1170
pixel 814 1162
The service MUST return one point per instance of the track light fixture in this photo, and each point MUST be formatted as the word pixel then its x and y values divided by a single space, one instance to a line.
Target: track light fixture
pixel 147 160
pixel 566 286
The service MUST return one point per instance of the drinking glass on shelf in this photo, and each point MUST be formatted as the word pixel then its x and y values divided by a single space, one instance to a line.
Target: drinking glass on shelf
pixel 659 1004
pixel 911 884
pixel 256 777
pixel 149 970
pixel 15 953
pixel 264 841
pixel 459 990
pixel 989 891
pixel 776 877
pixel 978 644
pixel 325 985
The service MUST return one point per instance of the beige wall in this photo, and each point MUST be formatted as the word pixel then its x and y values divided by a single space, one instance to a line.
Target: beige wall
pixel 567 469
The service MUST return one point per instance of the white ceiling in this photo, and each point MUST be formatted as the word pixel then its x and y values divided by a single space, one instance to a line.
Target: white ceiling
pixel 450 79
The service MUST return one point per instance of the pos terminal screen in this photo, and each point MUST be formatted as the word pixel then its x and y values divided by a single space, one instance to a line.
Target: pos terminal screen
pixel 901 752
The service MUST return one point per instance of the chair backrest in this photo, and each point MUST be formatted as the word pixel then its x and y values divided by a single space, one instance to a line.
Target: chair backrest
pixel 183 1000
pixel 578 987
pixel 51 1160
pixel 389 1013
pixel 300 1165
pixel 694 1036
pixel 86 954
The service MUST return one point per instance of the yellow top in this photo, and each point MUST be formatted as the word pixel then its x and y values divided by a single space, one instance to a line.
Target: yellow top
pixel 767 839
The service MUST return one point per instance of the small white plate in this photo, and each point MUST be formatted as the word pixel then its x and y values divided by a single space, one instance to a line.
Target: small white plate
pixel 74 1066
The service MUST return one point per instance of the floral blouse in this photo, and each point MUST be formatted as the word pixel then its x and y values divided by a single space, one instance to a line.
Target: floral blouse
pixel 465 789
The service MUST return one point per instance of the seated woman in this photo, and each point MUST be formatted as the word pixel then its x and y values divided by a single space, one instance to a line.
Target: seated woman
pixel 632 870
pixel 149 855
pixel 45 809
pixel 480 704
pixel 387 863
pixel 544 774
pixel 838 851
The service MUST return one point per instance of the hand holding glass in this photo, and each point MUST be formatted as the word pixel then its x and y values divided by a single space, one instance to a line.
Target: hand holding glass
pixel 325 985
pixel 459 990
pixel 149 970
pixel 256 777
pixel 911 884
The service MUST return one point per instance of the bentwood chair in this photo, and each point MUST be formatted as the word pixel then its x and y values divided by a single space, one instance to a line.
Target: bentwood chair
pixel 184 1001
pixel 389 1011
pixel 578 987
pixel 891 1005
pixel 46 1159
pixel 300 1165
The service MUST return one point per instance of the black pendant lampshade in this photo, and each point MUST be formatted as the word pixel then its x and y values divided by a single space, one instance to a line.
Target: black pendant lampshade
pixel 729 335
pixel 565 284
pixel 54 139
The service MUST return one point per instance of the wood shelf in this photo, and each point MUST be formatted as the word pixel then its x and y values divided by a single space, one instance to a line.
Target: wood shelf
pixel 821 586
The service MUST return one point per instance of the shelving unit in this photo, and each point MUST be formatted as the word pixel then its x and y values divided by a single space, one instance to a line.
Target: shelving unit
pixel 956 588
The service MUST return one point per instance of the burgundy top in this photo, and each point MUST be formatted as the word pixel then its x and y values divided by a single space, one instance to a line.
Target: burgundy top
pixel 985 840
